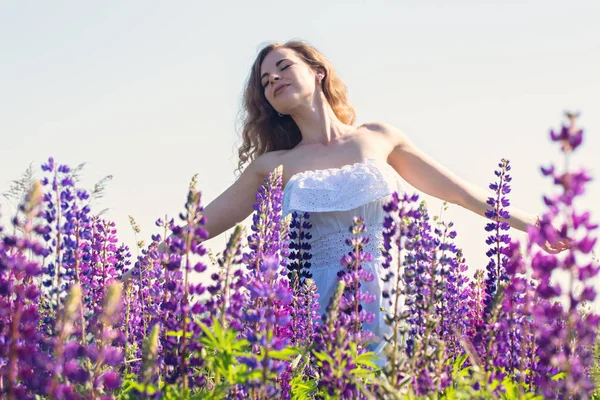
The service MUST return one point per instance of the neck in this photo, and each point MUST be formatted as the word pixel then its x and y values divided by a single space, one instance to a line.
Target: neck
pixel 317 122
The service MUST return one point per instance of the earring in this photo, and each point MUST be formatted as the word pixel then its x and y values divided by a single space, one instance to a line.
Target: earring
pixel 280 114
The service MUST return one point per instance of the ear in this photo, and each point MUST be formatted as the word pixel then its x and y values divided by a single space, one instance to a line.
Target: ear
pixel 320 74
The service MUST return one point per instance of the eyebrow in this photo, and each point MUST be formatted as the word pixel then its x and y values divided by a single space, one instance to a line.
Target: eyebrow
pixel 276 64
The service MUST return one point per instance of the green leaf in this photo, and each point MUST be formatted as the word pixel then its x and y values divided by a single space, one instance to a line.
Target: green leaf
pixel 366 359
pixel 285 354
pixel 207 332
pixel 179 333
pixel 559 376
pixel 362 372
pixel 322 356
pixel 302 389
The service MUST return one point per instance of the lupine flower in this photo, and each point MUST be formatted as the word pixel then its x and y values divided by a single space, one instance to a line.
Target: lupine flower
pixel 305 318
pixel 18 305
pixel 332 349
pixel 65 328
pixel 417 278
pixel 496 268
pixel 496 278
pixel 514 346
pixel 451 307
pixel 143 292
pixel 305 304
pixel 354 298
pixel 106 351
pixel 149 373
pixel 424 346
pixel 399 225
pixel 299 236
pixel 183 244
pixel 564 336
pixel 102 272
pixel 455 303
pixel 227 292
pixel 267 316
pixel 58 201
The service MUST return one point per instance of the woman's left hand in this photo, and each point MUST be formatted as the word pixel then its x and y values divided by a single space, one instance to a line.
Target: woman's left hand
pixel 560 245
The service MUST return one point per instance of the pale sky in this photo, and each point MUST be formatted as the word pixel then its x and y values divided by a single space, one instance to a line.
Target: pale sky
pixel 149 91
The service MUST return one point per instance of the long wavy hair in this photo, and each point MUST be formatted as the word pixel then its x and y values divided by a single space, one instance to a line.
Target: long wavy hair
pixel 263 130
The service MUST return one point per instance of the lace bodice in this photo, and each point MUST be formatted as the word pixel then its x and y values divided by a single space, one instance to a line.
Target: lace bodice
pixel 333 197
pixel 340 189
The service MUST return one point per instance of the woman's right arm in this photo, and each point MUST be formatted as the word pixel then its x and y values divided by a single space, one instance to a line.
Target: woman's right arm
pixel 235 203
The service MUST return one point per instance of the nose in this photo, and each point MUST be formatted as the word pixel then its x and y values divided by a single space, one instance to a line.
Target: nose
pixel 272 78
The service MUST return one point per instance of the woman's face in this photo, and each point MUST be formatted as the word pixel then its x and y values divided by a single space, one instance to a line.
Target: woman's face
pixel 287 81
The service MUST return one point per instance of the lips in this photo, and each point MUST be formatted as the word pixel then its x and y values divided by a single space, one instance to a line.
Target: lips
pixel 279 89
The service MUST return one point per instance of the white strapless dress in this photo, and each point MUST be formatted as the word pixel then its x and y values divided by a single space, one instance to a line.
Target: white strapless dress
pixel 333 197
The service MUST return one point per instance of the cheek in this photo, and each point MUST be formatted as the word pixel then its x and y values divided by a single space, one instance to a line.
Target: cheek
pixel 269 98
pixel 305 81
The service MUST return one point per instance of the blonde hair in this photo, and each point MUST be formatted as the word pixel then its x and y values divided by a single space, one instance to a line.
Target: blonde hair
pixel 263 130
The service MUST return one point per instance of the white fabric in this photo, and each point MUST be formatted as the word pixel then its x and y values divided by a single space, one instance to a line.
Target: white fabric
pixel 333 197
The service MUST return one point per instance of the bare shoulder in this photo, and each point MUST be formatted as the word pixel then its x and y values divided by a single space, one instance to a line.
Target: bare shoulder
pixel 267 162
pixel 393 134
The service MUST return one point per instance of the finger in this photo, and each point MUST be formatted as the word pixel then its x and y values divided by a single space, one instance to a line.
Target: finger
pixel 557 248
pixel 566 245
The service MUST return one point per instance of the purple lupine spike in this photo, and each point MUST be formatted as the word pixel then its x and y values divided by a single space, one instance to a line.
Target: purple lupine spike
pixel 77 236
pixel 165 272
pixel 184 243
pixel 19 313
pixel 496 268
pixel 425 271
pixel 456 298
pixel 331 340
pixel 475 305
pixel 102 271
pixel 452 306
pixel 354 298
pixel 64 329
pixel 59 212
pixel 299 236
pixel 569 136
pixel 144 291
pixel 513 349
pixel 107 349
pixel 399 226
pixel 227 296
pixel 267 315
pixel 305 304
pixel 417 277
pixel 555 324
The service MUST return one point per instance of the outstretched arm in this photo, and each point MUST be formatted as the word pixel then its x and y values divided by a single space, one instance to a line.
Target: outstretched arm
pixel 234 204
pixel 428 176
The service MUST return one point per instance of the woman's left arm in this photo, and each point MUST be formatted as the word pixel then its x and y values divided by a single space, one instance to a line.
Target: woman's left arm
pixel 429 176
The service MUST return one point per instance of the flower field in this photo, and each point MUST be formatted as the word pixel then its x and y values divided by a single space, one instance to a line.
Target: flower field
pixel 81 318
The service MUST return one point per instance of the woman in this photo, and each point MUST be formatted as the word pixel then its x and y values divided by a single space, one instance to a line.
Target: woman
pixel 297 115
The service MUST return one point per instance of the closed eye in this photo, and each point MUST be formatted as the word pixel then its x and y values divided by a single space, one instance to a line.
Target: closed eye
pixel 267 82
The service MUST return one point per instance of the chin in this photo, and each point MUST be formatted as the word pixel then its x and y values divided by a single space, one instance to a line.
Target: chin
pixel 285 109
